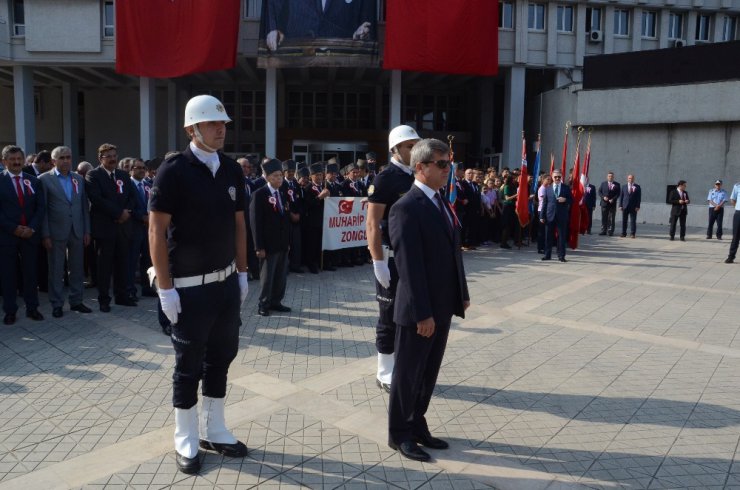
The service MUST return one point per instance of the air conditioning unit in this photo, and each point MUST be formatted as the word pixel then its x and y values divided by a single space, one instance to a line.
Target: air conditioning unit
pixel 679 43
pixel 595 36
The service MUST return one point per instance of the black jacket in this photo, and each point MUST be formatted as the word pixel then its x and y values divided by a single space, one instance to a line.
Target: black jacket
pixel 270 228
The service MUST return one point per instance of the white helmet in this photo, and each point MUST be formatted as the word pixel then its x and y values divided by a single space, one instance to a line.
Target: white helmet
pixel 401 133
pixel 202 108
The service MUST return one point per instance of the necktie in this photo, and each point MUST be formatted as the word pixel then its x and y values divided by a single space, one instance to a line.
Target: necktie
pixel 557 190
pixel 630 188
pixel 142 196
pixel 277 200
pixel 445 216
pixel 21 200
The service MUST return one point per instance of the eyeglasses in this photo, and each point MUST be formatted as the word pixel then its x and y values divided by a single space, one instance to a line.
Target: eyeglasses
pixel 556 177
pixel 109 156
pixel 441 164
pixel 138 167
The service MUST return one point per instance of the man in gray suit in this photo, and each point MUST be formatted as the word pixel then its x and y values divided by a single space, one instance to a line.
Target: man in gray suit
pixel 65 229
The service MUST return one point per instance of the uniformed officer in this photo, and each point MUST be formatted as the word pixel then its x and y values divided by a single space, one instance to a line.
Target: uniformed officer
pixel 314 194
pixel 389 185
pixel 716 200
pixel 202 279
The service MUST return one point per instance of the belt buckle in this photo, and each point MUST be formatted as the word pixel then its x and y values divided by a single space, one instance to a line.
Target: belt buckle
pixel 221 275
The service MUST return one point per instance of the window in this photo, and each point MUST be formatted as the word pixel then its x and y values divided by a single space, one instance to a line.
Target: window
pixel 675 25
pixel 729 28
pixel 19 18
pixel 433 112
pixel 565 18
pixel 702 28
pixel 506 15
pixel 649 19
pixel 341 110
pixel 593 19
pixel 109 19
pixel 621 22
pixel 536 17
pixel 251 9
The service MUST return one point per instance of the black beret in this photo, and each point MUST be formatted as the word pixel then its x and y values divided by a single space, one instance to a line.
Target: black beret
pixel 317 168
pixel 271 166
pixel 371 155
pixel 302 172
pixel 288 165
pixel 332 167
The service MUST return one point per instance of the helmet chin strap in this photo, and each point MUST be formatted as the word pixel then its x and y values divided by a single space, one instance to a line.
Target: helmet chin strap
pixel 199 137
pixel 397 155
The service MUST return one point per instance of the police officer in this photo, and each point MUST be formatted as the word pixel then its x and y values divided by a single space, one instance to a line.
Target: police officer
pixel 202 279
pixel 389 185
pixel 716 200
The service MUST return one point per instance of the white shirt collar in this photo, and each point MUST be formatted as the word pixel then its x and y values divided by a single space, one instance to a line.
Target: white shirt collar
pixel 210 159
pixel 402 166
pixel 136 182
pixel 272 189
pixel 428 191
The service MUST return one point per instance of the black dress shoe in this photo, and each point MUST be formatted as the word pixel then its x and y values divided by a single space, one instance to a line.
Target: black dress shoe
pixel 383 386
pixel 187 465
pixel 729 260
pixel 603 233
pixel 410 450
pixel 82 308
pixel 280 307
pixel 503 245
pixel 330 268
pixel 296 270
pixel 167 329
pixel 313 269
pixel 105 307
pixel 431 442
pixel 35 315
pixel 262 310
pixel 57 312
pixel 545 258
pixel 632 235
pixel 89 285
pixel 623 235
pixel 126 302
pixel 562 259
pixel 683 239
pixel 236 450
pixel 671 238
pixel 9 319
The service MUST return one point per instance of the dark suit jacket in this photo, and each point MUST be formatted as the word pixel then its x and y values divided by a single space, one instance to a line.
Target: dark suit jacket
pixel 552 210
pixel 611 194
pixel 429 262
pixel 270 229
pixel 590 197
pixel 28 169
pixel 107 202
pixel 313 207
pixel 630 202
pixel 10 210
pixel 307 19
pixel 676 208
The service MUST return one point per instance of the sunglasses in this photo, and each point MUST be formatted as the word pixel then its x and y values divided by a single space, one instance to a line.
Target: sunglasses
pixel 440 163
pixel 556 177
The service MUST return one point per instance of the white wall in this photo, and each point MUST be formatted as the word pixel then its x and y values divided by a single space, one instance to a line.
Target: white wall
pixel 68 26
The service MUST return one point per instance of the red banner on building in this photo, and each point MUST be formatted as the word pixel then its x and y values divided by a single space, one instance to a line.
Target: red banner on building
pixel 173 38
pixel 440 36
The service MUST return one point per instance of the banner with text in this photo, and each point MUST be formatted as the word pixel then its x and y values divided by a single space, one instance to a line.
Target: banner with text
pixel 344 222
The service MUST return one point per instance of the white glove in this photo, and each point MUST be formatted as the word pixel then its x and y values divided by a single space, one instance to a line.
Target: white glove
pixel 382 273
pixel 243 286
pixel 170 304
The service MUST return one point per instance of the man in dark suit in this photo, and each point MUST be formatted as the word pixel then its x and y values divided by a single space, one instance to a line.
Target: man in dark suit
pixel 555 215
pixel 609 192
pixel 629 204
pixel 113 206
pixel 431 289
pixel 41 163
pixel 21 212
pixel 679 199
pixel 270 221
pixel 65 230
pixel 139 257
pixel 252 261
pixel 590 201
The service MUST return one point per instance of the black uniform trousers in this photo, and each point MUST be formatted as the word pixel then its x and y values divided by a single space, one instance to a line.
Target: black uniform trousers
pixel 385 329
pixel 206 340
pixel 28 251
pixel 681 219
pixel 608 217
pixel 273 274
pixel 735 234
pixel 715 217
pixel 418 360
pixel 630 216
pixel 138 258
pixel 112 260
pixel 312 245
pixel 296 246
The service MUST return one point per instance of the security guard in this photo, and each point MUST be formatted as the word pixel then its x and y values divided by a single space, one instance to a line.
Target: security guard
pixel 197 212
pixel 389 185
pixel 716 200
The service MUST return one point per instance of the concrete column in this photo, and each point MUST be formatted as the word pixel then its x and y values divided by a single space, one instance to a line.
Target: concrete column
pixel 551 19
pixel 70 129
pixel 513 115
pixel 636 28
pixel 395 102
pixel 271 112
pixel 147 127
pixel 663 19
pixel 608 29
pixel 174 123
pixel 486 111
pixel 689 28
pixel 522 32
pixel 580 27
pixel 25 120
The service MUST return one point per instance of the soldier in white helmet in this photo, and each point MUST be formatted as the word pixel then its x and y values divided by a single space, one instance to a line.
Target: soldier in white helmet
pixel 389 185
pixel 198 245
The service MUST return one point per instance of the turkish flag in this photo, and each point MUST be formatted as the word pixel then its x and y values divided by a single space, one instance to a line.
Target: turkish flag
pixel 173 38
pixel 345 207
pixel 441 36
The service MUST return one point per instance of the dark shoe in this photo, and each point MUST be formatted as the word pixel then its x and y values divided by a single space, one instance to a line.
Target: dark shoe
pixel 729 260
pixel 709 238
pixel 330 268
pixel 57 312
pixel 671 238
pixel 187 465
pixel 683 239
pixel 719 238
pixel 262 310
pixel 603 233
pixel 126 302
pixel 167 329
pixel 431 442
pixel 89 285
pixel 280 307
pixel 383 386
pixel 562 259
pixel 632 235
pixel 9 319
pixel 545 258
pixel 296 270
pixel 105 307
pixel 236 450
pixel 313 269
pixel 149 293
pixel 35 315
pixel 410 450
pixel 82 308
pixel 623 235
pixel 503 245
pixel 611 233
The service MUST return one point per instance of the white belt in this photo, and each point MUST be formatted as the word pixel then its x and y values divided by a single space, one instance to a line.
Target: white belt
pixel 387 252
pixel 215 276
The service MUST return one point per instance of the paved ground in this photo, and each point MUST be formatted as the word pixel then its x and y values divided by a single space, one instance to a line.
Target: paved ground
pixel 620 368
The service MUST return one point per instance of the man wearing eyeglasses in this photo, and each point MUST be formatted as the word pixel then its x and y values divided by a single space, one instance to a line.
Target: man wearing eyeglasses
pixel 554 214
pixel 425 235
pixel 139 255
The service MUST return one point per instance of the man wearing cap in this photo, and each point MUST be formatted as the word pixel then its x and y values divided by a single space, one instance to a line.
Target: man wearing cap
pixel 372 167
pixel 252 260
pixel 716 200
pixel 387 188
pixel 200 259
pixel 629 204
pixel 352 187
pixel 314 193
pixel 289 188
pixel 269 217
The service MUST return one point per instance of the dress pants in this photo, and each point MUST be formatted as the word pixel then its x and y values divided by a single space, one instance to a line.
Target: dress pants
pixel 273 274
pixel 138 258
pixel 681 218
pixel 28 251
pixel 206 340
pixel 385 329
pixel 112 255
pixel 735 234
pixel 608 217
pixel 296 250
pixel 418 360
pixel 715 217
pixel 73 249
pixel 629 215
pixel 562 229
